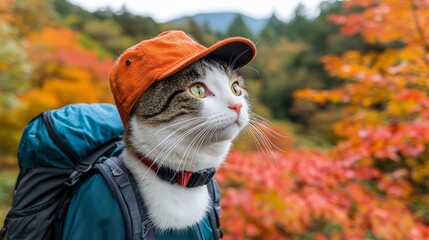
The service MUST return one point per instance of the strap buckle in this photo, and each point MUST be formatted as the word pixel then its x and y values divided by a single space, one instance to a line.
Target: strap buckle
pixel 146 228
pixel 77 174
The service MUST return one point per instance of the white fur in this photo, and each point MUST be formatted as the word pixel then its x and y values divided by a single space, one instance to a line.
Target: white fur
pixel 188 143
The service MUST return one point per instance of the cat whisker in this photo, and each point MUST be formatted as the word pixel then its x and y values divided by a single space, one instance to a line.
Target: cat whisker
pixel 271 149
pixel 172 133
pixel 166 151
pixel 264 145
pixel 266 125
pixel 261 150
pixel 259 129
pixel 195 141
pixel 207 131
pixel 179 123
pixel 162 156
pixel 187 150
pixel 266 130
pixel 267 143
pixel 184 125
pixel 254 69
pixel 198 140
pixel 238 57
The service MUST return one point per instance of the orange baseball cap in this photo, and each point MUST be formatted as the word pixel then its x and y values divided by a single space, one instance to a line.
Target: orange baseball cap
pixel 160 57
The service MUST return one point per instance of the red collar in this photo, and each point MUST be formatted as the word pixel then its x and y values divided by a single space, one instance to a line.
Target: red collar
pixel 184 178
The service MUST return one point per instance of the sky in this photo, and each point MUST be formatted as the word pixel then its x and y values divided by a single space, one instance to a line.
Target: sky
pixel 165 10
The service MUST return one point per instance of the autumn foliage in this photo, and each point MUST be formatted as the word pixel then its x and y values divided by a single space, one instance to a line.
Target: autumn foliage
pixel 310 194
pixel 373 183
pixel 66 71
pixel 385 92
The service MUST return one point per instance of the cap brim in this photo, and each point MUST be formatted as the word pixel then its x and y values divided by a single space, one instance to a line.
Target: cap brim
pixel 235 51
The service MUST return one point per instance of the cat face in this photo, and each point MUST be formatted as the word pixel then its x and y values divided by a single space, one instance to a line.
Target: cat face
pixel 184 115
pixel 207 96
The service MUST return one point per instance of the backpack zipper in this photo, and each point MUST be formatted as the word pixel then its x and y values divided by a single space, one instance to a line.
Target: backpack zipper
pixel 54 136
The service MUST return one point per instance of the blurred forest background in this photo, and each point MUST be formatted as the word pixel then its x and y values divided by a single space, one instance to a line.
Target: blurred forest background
pixel 348 87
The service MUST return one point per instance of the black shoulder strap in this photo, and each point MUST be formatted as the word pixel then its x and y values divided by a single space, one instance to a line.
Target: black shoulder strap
pixel 77 178
pixel 137 223
pixel 87 163
pixel 214 192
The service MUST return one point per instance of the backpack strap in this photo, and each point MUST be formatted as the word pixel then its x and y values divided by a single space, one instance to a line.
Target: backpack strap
pixel 214 193
pixel 137 223
pixel 148 230
pixel 88 162
pixel 76 178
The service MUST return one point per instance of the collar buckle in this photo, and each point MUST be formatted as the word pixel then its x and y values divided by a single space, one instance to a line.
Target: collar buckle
pixel 201 177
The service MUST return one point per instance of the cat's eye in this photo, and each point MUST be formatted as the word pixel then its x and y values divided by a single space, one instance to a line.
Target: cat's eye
pixel 198 91
pixel 236 89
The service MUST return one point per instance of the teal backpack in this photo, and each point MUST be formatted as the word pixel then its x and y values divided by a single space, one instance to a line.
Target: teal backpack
pixel 73 184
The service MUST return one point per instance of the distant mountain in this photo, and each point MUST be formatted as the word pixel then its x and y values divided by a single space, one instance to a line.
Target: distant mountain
pixel 220 22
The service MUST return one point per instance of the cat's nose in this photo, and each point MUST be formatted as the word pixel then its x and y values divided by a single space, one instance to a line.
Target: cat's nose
pixel 236 107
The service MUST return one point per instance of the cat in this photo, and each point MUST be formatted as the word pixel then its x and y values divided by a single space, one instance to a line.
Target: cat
pixel 186 122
